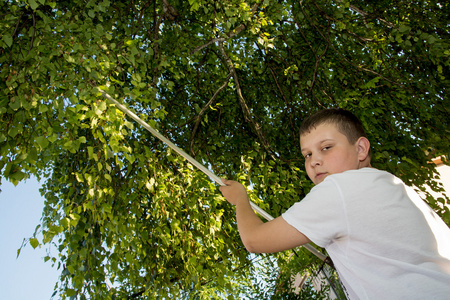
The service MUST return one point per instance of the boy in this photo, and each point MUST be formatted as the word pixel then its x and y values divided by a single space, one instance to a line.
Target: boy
pixel 385 242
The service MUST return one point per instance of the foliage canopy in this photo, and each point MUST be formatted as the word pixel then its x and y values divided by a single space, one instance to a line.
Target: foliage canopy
pixel 229 82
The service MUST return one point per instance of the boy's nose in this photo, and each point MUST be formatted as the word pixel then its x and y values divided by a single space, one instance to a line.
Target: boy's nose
pixel 316 160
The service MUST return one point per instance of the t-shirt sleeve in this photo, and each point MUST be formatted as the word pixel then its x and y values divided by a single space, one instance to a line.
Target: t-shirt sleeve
pixel 320 215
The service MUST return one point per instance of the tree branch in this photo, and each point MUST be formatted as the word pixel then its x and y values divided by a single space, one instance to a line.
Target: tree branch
pixel 284 98
pixel 317 57
pixel 365 14
pixel 247 115
pixel 199 117
pixel 345 59
pixel 229 35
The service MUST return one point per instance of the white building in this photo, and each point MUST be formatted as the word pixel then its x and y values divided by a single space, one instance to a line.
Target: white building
pixel 444 173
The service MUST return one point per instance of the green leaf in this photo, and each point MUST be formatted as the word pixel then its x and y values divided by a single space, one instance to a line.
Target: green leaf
pixel 34 5
pixel 13 132
pixel 404 28
pixel 43 108
pixel 90 152
pixel 108 177
pixel 34 243
pixel 7 39
pixel 15 104
pixel 42 142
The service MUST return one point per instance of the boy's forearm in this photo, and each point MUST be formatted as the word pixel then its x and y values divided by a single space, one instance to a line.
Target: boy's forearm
pixel 257 236
pixel 247 221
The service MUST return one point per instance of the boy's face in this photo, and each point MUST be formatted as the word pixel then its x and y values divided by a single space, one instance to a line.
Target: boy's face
pixel 327 151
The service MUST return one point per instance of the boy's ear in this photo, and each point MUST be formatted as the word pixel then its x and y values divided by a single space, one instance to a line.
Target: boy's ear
pixel 363 145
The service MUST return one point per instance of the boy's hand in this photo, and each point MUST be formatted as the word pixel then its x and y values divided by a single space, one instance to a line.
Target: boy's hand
pixel 233 191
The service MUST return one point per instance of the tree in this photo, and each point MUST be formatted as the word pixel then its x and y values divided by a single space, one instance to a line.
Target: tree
pixel 229 82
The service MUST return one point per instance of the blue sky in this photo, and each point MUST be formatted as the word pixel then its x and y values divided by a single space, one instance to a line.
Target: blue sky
pixel 28 276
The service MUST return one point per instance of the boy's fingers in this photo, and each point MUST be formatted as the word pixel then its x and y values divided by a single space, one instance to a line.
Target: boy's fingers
pixel 223 186
pixel 226 181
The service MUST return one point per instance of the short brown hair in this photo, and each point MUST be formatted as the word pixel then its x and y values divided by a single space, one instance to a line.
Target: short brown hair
pixel 345 121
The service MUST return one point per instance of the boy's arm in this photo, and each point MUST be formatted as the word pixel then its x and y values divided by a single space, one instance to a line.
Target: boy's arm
pixel 257 236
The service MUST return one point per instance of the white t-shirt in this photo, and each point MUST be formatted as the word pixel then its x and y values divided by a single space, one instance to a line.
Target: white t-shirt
pixel 385 242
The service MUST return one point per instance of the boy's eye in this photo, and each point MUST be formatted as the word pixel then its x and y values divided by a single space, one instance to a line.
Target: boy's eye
pixel 326 148
pixel 307 155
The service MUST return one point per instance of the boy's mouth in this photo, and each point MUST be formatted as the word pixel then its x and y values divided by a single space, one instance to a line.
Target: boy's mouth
pixel 321 175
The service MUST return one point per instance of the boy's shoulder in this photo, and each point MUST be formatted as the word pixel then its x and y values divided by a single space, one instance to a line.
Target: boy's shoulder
pixel 360 173
pixel 360 180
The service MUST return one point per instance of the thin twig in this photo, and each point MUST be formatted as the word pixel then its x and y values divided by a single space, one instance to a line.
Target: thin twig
pixel 34 32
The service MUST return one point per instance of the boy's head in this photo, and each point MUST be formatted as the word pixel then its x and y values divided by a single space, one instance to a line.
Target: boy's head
pixel 333 141
pixel 345 121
